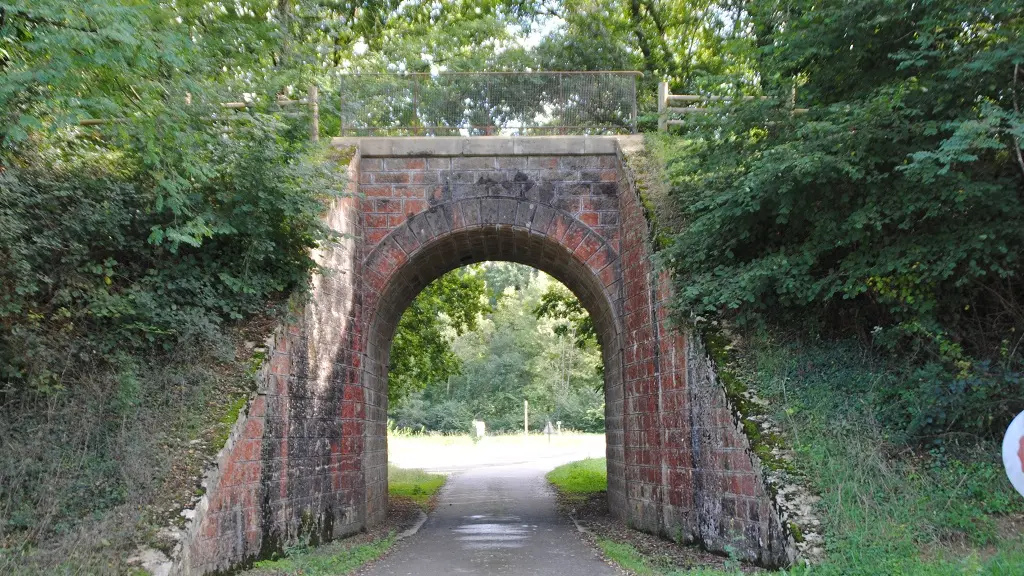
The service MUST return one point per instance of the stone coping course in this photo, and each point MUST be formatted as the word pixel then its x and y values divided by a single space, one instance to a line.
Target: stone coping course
pixel 377 146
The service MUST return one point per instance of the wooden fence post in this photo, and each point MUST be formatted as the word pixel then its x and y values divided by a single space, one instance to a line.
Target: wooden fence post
pixel 314 110
pixel 662 106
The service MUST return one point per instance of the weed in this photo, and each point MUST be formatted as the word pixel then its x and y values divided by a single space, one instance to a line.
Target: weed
pixel 626 556
pixel 228 420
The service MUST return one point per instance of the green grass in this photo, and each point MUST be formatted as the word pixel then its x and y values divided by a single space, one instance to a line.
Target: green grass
pixel 332 559
pixel 633 561
pixel 886 509
pixel 627 557
pixel 415 484
pixel 581 478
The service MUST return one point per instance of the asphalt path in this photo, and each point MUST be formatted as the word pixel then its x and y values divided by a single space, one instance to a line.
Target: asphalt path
pixel 495 520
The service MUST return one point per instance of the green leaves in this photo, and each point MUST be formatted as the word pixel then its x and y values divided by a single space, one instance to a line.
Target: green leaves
pixel 895 203
pixel 421 352
pixel 507 355
pixel 92 264
pixel 559 304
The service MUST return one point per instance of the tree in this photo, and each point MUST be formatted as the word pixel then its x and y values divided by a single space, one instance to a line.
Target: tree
pixel 421 352
pixel 511 355
pixel 891 210
pixel 503 275
pixel 559 304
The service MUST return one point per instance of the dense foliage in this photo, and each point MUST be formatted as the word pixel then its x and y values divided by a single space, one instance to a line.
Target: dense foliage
pixel 510 354
pixel 421 351
pixel 892 209
pixel 561 304
pixel 84 277
pixel 153 230
pixel 127 251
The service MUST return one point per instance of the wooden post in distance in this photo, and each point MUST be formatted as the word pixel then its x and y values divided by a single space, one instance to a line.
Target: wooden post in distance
pixel 314 110
pixel 662 106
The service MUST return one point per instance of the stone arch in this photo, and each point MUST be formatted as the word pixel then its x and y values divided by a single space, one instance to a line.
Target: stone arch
pixel 453 234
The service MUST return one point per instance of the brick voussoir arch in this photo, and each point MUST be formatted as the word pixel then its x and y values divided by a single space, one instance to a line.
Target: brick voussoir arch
pixel 421 232
pixel 452 234
pixel 310 457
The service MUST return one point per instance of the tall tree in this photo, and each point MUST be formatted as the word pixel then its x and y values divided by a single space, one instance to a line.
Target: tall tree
pixel 893 209
pixel 421 352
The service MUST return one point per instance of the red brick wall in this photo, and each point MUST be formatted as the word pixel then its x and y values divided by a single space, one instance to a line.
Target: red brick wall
pixel 690 473
pixel 293 466
pixel 309 458
pixel 643 471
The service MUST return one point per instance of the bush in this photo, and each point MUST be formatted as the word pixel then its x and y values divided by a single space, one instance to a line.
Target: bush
pixel 891 211
pixel 91 264
pixel 929 402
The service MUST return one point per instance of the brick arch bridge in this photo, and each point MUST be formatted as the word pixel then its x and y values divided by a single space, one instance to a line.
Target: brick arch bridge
pixel 309 457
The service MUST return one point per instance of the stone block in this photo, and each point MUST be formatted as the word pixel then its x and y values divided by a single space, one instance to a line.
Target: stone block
pixel 474 163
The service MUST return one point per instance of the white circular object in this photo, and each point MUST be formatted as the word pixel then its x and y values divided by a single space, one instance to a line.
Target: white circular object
pixel 1013 453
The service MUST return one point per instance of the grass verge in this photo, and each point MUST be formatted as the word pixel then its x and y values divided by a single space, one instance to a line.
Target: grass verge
pixel 577 480
pixel 417 485
pixel 626 556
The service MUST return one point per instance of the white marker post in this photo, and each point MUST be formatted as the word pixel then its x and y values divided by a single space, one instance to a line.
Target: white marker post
pixel 1013 453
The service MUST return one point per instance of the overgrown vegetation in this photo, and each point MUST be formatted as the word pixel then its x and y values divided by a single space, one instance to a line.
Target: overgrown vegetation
pixel 89 472
pixel 866 253
pixel 885 510
pixel 129 253
pixel 891 211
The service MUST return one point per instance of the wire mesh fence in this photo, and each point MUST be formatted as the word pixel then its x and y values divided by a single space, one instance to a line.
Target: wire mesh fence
pixel 487 103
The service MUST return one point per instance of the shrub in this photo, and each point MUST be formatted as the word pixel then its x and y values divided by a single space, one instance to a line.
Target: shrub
pixel 92 264
pixel 891 211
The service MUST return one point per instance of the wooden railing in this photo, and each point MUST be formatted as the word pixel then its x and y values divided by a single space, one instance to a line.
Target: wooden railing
pixel 668 114
pixel 312 100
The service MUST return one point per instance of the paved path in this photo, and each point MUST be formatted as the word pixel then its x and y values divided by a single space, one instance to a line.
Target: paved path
pixel 496 520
